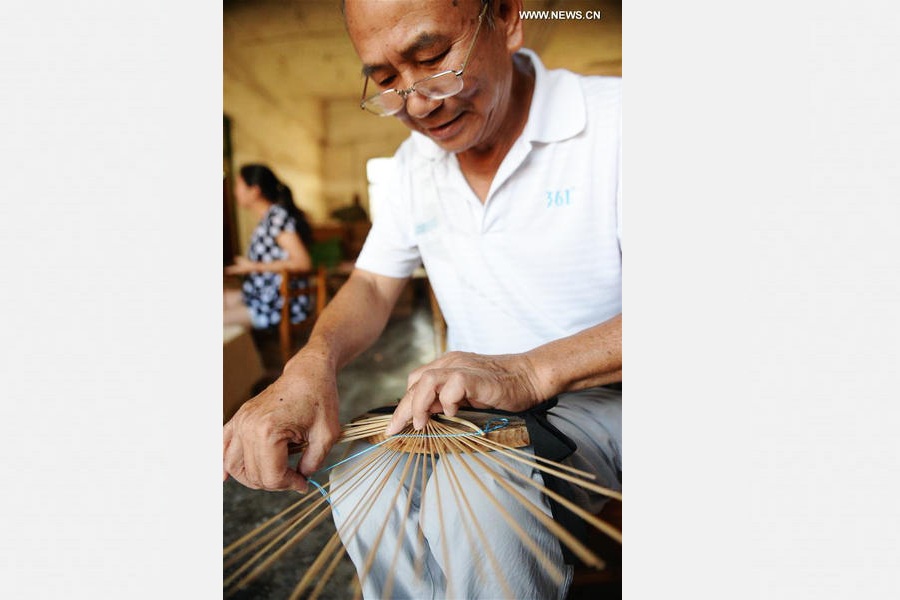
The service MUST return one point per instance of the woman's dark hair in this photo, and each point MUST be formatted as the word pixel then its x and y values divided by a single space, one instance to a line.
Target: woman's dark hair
pixel 274 191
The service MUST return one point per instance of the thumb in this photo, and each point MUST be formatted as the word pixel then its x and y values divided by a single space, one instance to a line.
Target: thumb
pixel 312 457
pixel 298 482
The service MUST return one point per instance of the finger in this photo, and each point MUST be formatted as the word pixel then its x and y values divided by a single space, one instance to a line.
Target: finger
pixel 226 440
pixel 273 469
pixel 234 462
pixel 248 466
pixel 311 461
pixel 424 395
pixel 453 394
pixel 441 362
pixel 414 377
pixel 402 415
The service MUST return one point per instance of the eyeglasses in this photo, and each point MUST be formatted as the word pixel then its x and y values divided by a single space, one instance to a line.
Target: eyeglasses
pixel 436 87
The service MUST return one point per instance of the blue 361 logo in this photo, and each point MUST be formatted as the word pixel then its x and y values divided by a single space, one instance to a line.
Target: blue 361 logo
pixel 559 197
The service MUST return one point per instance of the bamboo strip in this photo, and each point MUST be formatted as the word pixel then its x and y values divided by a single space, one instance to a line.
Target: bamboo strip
pixel 427 470
pixel 258 530
pixel 314 568
pixel 528 459
pixel 294 540
pixel 542 558
pixel 271 537
pixel 324 577
pixel 277 553
pixel 420 563
pixel 389 583
pixel 370 558
pixel 590 518
pixel 360 511
pixel 588 557
pixel 459 496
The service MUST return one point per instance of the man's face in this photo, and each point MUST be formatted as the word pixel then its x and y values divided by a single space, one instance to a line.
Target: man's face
pixel 403 41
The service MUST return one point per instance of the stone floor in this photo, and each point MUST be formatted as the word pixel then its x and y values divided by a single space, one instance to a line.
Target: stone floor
pixel 375 378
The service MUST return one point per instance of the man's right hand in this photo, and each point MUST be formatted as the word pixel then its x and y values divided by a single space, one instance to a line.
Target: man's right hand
pixel 300 406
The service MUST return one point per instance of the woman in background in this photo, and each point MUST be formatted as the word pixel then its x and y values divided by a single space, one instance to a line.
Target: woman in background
pixel 280 241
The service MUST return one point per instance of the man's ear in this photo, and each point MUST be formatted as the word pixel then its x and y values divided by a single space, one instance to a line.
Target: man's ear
pixel 506 18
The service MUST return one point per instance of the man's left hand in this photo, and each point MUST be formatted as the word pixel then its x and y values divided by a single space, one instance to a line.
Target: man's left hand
pixel 506 382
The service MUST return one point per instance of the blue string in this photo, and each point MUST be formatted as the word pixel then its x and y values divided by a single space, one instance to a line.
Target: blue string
pixel 492 425
pixel 324 495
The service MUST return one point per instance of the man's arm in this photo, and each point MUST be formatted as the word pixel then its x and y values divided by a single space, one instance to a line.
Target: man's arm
pixel 587 359
pixel 354 318
pixel 302 404
pixel 512 382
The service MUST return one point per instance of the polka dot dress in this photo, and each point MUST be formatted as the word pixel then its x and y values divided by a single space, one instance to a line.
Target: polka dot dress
pixel 261 290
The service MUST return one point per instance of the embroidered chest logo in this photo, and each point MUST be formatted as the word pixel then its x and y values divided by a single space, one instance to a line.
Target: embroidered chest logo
pixel 559 198
pixel 426 226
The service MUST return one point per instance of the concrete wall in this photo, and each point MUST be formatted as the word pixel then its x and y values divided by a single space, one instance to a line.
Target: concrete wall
pixel 353 136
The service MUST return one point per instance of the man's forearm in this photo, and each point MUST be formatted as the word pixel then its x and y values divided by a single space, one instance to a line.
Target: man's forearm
pixel 589 358
pixel 353 319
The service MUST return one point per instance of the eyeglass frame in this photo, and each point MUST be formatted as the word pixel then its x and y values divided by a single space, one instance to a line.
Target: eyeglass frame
pixel 404 93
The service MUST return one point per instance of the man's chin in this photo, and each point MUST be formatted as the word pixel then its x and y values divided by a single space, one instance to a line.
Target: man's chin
pixel 451 146
pixel 451 136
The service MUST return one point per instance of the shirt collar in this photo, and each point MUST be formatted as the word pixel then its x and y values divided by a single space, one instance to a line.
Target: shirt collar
pixel 557 109
pixel 557 106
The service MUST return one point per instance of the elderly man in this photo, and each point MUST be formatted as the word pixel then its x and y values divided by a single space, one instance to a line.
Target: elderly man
pixel 508 192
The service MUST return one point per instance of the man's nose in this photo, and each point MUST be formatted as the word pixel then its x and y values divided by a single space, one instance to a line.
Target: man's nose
pixel 419 107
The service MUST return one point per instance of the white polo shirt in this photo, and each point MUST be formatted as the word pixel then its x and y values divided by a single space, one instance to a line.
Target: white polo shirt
pixel 541 259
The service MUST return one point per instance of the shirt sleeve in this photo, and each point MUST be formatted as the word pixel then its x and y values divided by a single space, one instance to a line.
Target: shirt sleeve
pixel 280 221
pixel 390 248
pixel 619 190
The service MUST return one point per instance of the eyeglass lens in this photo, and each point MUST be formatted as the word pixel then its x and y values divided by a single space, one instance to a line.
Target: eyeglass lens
pixel 436 87
pixel 440 86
